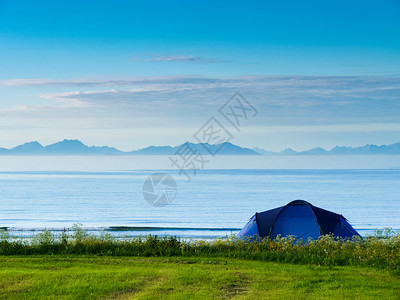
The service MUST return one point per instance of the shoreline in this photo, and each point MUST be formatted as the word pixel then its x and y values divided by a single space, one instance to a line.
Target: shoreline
pixel 138 231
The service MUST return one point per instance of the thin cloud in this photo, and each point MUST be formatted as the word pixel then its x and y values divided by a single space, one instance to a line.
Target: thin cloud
pixel 182 59
pixel 17 82
pixel 281 100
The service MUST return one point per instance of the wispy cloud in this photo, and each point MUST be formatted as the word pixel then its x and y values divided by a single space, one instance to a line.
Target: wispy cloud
pixel 181 59
pixel 289 100
pixel 87 82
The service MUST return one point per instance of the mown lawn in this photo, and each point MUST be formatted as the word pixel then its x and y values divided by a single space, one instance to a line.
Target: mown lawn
pixel 93 277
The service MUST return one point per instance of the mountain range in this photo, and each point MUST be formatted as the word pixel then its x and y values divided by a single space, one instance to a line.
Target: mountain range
pixel 75 147
pixel 393 149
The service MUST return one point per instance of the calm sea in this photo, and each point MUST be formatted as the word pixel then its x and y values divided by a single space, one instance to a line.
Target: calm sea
pixel 105 192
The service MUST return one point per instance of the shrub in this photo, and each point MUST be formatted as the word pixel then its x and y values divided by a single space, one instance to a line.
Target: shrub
pixel 382 250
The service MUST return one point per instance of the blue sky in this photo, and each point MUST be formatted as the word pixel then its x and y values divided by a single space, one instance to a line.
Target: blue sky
pixel 134 73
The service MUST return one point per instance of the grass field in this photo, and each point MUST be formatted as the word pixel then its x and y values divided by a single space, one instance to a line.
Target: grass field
pixel 83 266
pixel 381 251
pixel 93 277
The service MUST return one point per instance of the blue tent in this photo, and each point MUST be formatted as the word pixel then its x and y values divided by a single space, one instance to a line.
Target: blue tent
pixel 299 219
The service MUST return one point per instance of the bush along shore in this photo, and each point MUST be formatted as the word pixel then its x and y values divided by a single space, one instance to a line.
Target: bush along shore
pixel 381 250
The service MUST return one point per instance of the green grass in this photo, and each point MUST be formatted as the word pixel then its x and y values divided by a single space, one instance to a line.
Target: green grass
pixel 82 266
pixel 381 251
pixel 91 277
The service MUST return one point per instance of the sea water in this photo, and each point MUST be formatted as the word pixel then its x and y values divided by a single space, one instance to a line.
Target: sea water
pixel 104 193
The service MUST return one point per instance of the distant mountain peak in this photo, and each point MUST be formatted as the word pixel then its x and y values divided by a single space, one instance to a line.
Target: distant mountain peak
pixel 288 151
pixel 66 141
pixel 29 147
pixel 33 143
